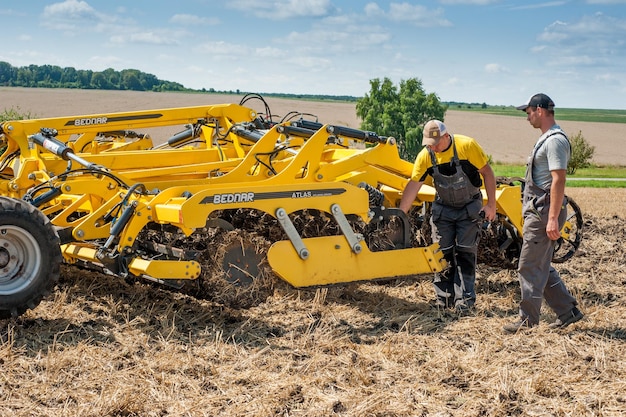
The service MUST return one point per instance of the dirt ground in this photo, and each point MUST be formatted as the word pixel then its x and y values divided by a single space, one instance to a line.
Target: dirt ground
pixel 101 346
pixel 506 139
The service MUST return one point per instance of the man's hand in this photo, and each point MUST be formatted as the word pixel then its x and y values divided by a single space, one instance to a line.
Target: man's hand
pixel 552 229
pixel 489 212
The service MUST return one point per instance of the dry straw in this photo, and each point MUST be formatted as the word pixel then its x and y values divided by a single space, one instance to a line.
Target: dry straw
pixel 104 347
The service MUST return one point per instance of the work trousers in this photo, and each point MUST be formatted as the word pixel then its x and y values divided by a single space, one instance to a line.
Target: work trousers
pixel 538 278
pixel 457 230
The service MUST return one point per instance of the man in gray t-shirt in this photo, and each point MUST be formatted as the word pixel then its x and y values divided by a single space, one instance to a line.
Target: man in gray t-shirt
pixel 552 155
pixel 544 211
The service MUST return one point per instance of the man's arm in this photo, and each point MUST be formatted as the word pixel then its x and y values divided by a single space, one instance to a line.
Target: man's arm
pixel 409 194
pixel 490 188
pixel 557 192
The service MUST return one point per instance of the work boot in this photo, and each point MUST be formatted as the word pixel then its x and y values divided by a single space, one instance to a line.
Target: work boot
pixel 463 308
pixel 442 303
pixel 520 325
pixel 568 318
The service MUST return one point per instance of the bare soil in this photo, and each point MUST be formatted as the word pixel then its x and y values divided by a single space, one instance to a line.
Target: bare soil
pixel 100 346
pixel 506 139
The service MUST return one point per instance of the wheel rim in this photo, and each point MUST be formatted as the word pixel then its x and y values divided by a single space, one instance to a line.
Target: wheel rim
pixel 571 234
pixel 20 259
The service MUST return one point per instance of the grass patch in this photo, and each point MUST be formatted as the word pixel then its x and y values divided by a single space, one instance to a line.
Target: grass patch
pixel 598 177
pixel 601 172
pixel 581 115
pixel 595 183
pixel 513 170
pixel 508 170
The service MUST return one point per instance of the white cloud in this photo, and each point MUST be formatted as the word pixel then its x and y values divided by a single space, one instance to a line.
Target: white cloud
pixel 104 62
pixel 70 10
pixel 152 38
pixel 10 12
pixel 74 16
pixel 372 9
pixel 592 40
pixel 554 33
pixel 310 63
pixel 573 61
pixel 406 12
pixel 269 52
pixel 193 20
pixel 495 68
pixel 146 37
pixel 470 2
pixel 196 68
pixel 606 2
pixel 283 9
pixel 540 5
pixel 416 15
pixel 225 49
pixel 609 78
pixel 324 39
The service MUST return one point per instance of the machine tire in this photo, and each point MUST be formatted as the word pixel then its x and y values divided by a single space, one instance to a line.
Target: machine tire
pixel 566 248
pixel 30 257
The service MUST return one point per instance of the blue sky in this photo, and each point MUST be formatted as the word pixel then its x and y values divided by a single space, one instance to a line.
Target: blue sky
pixel 492 51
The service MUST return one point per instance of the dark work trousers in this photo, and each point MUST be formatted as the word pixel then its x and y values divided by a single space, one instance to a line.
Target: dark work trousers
pixel 457 230
pixel 538 278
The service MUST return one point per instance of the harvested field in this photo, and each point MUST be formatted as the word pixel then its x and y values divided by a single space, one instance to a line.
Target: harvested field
pixel 100 346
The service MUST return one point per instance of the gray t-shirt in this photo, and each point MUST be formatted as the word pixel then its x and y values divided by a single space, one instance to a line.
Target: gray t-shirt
pixel 553 154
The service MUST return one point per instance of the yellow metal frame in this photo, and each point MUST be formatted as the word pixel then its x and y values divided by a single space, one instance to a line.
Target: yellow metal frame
pixel 275 173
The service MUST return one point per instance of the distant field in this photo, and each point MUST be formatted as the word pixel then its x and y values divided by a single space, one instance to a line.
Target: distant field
pixel 504 133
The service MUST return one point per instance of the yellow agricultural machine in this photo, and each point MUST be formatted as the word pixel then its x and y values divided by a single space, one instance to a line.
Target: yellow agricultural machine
pixel 209 198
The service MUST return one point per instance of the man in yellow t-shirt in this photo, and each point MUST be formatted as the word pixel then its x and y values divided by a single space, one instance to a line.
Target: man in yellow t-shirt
pixel 456 166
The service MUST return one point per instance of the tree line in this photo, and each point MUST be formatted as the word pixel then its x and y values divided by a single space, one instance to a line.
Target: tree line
pixel 53 76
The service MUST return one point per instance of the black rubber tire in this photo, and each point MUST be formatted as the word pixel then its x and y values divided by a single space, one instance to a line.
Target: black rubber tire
pixel 30 257
pixel 565 249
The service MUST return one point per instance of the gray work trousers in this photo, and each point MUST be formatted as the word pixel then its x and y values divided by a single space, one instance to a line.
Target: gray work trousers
pixel 457 230
pixel 537 277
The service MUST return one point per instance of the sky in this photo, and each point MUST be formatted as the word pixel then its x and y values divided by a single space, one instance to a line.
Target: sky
pixel 497 52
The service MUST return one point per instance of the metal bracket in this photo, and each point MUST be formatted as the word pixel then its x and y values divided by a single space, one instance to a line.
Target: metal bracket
pixel 352 238
pixel 292 233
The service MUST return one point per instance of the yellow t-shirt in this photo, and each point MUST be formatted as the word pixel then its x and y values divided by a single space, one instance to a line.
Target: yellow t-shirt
pixel 471 156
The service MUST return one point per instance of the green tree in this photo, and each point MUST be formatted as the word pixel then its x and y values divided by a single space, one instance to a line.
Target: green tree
pixel 113 78
pixel 84 78
pixel 69 77
pixel 130 80
pixel 25 77
pixel 582 153
pixel 7 73
pixel 149 82
pixel 399 112
pixel 99 81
